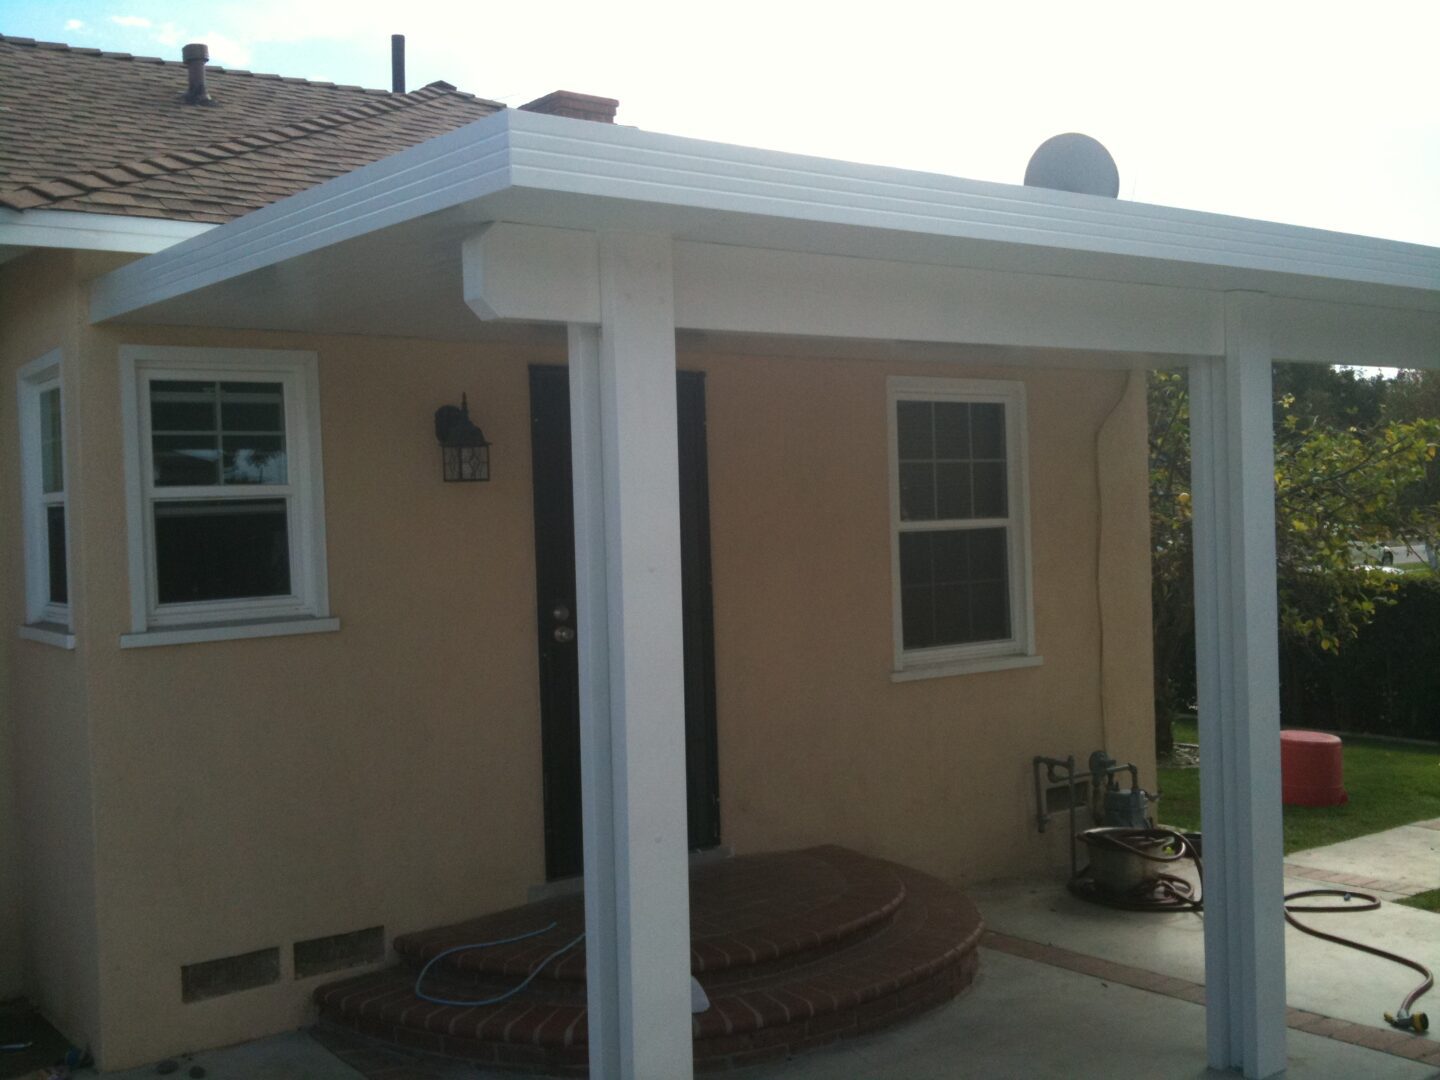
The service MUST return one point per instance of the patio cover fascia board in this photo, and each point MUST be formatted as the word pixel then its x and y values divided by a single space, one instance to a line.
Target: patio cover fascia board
pixel 876 232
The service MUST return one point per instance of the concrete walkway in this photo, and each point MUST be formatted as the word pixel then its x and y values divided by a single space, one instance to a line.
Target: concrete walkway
pixel 1394 863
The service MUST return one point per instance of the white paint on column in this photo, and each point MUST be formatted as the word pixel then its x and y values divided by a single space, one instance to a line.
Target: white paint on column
pixel 623 427
pixel 1237 672
pixel 596 753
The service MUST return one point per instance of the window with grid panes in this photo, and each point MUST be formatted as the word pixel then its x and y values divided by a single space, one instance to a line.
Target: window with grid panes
pixel 226 458
pixel 958 519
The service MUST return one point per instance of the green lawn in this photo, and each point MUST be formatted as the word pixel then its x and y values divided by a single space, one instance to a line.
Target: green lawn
pixel 1425 901
pixel 1389 784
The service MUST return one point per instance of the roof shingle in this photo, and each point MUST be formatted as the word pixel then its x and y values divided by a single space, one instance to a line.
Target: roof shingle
pixel 80 128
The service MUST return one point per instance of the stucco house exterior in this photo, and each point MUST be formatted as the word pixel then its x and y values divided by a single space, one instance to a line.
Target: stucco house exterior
pixel 884 540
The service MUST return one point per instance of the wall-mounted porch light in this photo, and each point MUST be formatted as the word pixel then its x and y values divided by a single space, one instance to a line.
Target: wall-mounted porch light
pixel 464 450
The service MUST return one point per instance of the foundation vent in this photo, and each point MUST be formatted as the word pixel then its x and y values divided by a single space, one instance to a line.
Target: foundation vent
pixel 229 974
pixel 339 951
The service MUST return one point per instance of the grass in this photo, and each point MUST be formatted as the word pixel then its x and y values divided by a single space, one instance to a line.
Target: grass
pixel 1389 784
pixel 1425 901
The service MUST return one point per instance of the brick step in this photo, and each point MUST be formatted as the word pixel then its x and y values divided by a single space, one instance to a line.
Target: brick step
pixel 746 912
pixel 921 953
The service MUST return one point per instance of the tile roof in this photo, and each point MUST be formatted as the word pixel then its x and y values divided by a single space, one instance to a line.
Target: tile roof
pixel 109 133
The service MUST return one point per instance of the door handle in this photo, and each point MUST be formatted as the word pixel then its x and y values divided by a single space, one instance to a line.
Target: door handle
pixel 561 613
pixel 564 634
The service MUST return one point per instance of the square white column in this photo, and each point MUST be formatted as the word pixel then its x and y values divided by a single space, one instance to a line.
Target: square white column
pixel 632 695
pixel 1237 675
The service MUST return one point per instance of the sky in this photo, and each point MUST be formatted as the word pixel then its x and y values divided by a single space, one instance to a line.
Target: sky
pixel 1317 113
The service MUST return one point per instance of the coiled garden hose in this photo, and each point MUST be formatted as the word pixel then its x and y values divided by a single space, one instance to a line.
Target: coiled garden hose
pixel 1165 892
pixel 1161 893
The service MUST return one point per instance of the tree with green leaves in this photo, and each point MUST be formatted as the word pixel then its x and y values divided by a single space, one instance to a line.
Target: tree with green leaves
pixel 1346 474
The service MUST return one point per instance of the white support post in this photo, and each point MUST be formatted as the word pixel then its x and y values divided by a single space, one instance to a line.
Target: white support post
pixel 632 698
pixel 1237 672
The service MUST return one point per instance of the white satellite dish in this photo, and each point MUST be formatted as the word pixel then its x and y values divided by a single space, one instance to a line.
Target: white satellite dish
pixel 1074 162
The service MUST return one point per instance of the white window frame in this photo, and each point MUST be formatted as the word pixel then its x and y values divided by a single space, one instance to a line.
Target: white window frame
pixel 45 620
pixel 1018 650
pixel 307 607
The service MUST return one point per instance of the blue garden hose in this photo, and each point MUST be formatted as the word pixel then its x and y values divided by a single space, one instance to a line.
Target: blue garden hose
pixel 486 945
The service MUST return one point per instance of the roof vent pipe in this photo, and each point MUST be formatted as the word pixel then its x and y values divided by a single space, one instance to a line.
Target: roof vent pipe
pixel 196 57
pixel 397 63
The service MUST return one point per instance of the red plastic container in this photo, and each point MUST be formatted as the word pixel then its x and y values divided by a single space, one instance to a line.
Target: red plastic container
pixel 1312 771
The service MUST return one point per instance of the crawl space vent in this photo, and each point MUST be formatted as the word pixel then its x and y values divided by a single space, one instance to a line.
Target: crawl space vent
pixel 229 974
pixel 338 951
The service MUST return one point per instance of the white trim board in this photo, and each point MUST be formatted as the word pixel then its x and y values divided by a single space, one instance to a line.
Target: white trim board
pixel 535 169
pixel 93 232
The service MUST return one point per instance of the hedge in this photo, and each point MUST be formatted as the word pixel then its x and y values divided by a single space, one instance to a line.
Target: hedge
pixel 1386 682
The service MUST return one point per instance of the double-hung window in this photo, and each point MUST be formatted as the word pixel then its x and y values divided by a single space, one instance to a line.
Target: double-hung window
pixel 225 497
pixel 960 544
pixel 42 456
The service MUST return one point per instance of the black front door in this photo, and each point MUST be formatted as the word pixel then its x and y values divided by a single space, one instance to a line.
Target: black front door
pixel 555 617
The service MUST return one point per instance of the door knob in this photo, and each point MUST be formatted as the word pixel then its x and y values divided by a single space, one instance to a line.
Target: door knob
pixel 564 634
pixel 561 613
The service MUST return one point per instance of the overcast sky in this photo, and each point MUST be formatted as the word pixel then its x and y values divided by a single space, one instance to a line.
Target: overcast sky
pixel 1316 113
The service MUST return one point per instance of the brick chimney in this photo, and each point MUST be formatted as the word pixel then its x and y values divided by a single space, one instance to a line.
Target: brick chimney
pixel 576 106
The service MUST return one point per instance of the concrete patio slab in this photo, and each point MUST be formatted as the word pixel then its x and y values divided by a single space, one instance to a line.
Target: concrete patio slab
pixel 1027 1019
pixel 294 1055
pixel 1321 977
pixel 1026 1016
pixel 1021 1018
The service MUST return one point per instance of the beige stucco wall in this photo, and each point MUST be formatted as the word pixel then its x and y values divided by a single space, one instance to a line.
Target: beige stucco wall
pixel 48 936
pixel 817 744
pixel 274 790
pixel 254 793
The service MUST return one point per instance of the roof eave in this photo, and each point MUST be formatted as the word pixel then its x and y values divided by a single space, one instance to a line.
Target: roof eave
pixel 93 232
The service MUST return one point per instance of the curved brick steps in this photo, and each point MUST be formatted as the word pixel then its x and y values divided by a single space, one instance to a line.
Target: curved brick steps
pixel 743 912
pixel 795 950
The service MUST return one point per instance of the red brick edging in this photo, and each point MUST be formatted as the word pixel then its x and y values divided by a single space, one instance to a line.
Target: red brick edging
pixel 1355 881
pixel 1415 1047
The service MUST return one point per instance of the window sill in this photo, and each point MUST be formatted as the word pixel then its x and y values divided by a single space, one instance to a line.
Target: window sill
pixel 941 669
pixel 185 635
pixel 48 633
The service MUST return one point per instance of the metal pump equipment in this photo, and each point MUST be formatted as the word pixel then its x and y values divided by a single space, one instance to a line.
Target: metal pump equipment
pixel 1110 804
pixel 1129 859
